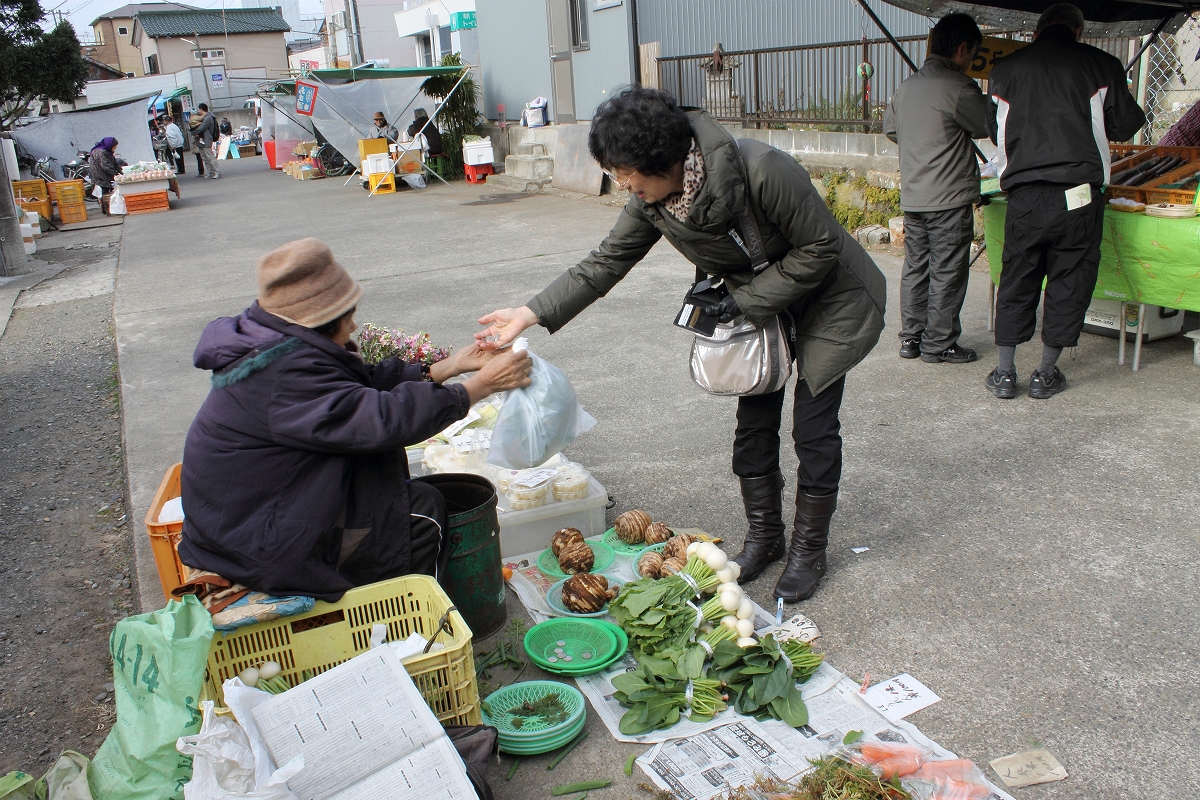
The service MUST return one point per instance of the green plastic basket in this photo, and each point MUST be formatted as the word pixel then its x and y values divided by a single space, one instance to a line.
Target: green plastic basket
pixel 554 599
pixel 548 563
pixel 570 644
pixel 533 730
pixel 619 547
pixel 537 748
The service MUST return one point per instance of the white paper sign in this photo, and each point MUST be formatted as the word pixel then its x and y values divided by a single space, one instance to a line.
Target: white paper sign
pixel 1078 196
pixel 900 696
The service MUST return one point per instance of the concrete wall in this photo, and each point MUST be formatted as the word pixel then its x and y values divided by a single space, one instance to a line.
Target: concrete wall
pixel 106 47
pixel 377 24
pixel 242 51
pixel 608 64
pixel 514 54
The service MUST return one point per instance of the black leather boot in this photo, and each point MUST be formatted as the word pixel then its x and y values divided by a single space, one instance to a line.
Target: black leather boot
pixel 806 557
pixel 763 498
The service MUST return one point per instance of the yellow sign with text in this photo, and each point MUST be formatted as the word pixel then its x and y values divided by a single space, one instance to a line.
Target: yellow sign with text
pixel 989 53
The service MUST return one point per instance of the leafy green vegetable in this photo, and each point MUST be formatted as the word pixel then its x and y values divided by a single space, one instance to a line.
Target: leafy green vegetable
pixel 762 680
pixel 656 695
pixel 851 737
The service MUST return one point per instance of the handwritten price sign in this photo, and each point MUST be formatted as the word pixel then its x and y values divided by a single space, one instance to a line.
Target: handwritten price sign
pixel 989 53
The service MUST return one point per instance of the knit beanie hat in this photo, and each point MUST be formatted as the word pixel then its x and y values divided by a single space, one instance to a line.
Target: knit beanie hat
pixel 302 283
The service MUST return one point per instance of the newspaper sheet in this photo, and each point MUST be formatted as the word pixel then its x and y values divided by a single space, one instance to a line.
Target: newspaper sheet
pixel 708 765
pixel 362 728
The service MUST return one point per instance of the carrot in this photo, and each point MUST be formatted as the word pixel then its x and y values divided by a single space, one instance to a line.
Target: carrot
pixel 898 766
pixel 957 769
pixel 507 573
pixel 874 752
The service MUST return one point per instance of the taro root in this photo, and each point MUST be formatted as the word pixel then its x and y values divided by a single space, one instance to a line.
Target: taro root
pixel 657 533
pixel 677 546
pixel 586 594
pixel 671 565
pixel 631 526
pixel 650 564
pixel 576 557
pixel 560 540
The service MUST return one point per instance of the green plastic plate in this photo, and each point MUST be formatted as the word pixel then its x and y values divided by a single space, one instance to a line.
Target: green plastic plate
pixel 570 644
pixel 554 598
pixel 604 556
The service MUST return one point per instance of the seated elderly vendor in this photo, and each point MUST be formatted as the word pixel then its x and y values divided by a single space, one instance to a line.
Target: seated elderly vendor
pixel 295 479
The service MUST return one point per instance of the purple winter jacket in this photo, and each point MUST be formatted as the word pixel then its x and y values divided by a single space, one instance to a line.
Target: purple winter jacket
pixel 297 441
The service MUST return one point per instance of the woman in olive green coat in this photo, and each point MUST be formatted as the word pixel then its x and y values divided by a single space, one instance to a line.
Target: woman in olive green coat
pixel 689 179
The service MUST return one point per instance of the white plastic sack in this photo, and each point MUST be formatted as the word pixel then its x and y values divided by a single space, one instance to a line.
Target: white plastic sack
pixel 415 180
pixel 172 511
pixel 537 422
pixel 116 202
pixel 223 764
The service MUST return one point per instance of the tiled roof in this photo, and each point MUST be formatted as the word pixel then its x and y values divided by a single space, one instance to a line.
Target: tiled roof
pixel 158 24
pixel 133 9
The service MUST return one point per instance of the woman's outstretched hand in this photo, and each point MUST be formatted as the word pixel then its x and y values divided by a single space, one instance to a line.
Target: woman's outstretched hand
pixel 503 371
pixel 466 359
pixel 504 326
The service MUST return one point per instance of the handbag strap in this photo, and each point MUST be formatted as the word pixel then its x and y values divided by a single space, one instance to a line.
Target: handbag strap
pixel 750 240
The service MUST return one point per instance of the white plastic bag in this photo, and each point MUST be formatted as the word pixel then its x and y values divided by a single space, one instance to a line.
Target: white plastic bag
pixel 223 764
pixel 415 180
pixel 116 202
pixel 537 422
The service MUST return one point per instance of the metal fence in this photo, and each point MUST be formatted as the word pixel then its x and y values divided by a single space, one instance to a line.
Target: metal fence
pixel 1172 83
pixel 820 85
pixel 809 85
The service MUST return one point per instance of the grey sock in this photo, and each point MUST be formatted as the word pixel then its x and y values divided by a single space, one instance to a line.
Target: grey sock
pixel 1007 354
pixel 1049 359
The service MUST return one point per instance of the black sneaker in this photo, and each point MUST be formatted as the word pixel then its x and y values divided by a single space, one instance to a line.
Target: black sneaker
pixel 1042 385
pixel 910 348
pixel 955 354
pixel 1002 384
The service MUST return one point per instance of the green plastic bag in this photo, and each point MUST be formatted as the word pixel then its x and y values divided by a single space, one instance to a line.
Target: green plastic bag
pixel 158 669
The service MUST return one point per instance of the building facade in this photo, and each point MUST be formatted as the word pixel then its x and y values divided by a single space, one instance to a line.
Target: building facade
pixel 219 42
pixel 576 53
pixel 113 33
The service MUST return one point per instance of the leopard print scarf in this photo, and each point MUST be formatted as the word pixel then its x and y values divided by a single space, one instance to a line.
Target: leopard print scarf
pixel 679 205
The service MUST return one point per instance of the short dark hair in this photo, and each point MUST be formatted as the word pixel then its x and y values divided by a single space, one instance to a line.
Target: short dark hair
pixel 330 328
pixel 640 128
pixel 951 31
pixel 204 106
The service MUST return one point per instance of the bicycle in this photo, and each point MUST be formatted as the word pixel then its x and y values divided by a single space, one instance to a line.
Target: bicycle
pixel 331 161
pixel 43 170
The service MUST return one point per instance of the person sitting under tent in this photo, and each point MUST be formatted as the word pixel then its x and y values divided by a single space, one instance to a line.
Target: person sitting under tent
pixel 421 124
pixel 295 479
pixel 383 130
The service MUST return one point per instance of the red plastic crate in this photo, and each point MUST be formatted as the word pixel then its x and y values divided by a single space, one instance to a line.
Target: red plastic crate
pixel 147 203
pixel 477 173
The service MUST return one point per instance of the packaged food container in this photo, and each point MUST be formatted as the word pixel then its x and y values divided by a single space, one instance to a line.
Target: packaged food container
pixel 438 458
pixel 528 489
pixel 570 483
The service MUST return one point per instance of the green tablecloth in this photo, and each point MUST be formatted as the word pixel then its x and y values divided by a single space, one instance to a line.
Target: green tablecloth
pixel 1142 259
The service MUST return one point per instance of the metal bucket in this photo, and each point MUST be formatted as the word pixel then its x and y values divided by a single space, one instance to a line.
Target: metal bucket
pixel 473 577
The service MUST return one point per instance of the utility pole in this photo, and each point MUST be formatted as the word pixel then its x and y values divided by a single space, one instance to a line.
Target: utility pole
pixel 13 260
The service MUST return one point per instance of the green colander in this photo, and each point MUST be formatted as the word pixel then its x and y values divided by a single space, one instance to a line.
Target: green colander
pixel 570 645
pixel 548 563
pixel 534 735
pixel 619 547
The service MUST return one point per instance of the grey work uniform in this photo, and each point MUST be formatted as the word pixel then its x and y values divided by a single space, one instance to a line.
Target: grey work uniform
pixel 933 116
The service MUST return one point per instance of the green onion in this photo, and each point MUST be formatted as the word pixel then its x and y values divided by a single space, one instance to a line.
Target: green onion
pixel 584 786
pixel 563 753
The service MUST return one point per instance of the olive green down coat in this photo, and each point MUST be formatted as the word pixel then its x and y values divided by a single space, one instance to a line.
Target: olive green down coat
pixel 833 288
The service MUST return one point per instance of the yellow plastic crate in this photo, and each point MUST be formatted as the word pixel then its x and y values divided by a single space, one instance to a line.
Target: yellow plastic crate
pixel 335 632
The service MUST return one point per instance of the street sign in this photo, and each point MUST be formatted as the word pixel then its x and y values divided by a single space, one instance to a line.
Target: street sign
pixel 218 79
pixel 462 20
pixel 306 98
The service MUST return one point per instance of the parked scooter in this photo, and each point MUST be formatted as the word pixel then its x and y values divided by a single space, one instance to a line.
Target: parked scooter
pixel 77 167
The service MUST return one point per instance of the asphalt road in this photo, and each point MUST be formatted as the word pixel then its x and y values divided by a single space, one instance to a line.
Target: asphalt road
pixel 1032 562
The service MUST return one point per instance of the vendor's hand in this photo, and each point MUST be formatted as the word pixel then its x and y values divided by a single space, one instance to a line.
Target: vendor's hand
pixel 467 359
pixel 504 326
pixel 506 370
pixel 724 311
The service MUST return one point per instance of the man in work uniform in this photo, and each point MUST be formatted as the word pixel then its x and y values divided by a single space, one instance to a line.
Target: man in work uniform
pixel 1058 104
pixel 933 116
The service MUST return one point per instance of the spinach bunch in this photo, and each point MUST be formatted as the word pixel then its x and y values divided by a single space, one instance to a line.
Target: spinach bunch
pixel 656 695
pixel 761 680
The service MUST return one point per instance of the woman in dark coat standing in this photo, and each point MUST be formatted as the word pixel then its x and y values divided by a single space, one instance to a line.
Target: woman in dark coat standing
pixel 689 181
pixel 295 480
pixel 103 166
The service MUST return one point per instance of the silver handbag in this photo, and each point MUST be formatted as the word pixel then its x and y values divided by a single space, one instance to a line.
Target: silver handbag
pixel 741 358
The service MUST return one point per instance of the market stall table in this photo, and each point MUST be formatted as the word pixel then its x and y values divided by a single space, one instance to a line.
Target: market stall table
pixel 1143 260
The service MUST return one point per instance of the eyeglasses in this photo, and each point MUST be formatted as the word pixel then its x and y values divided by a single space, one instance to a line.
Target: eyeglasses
pixel 620 184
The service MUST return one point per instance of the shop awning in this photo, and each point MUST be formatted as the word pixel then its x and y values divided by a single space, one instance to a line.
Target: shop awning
pixel 1106 18
pixel 375 73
